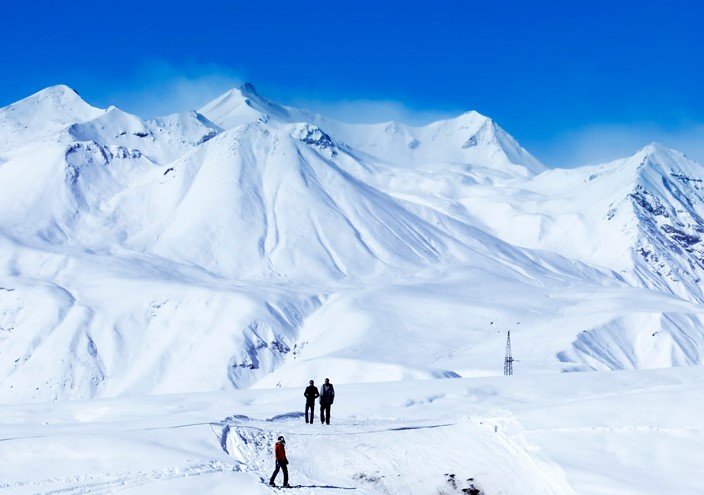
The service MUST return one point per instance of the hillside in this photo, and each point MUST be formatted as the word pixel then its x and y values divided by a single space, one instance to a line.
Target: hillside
pixel 253 244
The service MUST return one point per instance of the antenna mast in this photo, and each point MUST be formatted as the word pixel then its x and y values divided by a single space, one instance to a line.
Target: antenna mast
pixel 508 360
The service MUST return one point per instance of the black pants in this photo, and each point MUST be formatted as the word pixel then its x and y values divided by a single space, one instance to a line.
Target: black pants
pixel 325 413
pixel 280 465
pixel 310 406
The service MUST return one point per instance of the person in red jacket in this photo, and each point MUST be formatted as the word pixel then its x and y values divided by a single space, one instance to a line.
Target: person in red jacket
pixel 281 462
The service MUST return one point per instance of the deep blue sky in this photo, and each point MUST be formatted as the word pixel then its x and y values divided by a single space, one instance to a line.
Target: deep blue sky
pixel 572 81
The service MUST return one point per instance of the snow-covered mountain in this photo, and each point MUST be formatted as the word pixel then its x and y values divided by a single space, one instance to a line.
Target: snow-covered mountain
pixel 41 115
pixel 470 139
pixel 254 244
pixel 640 216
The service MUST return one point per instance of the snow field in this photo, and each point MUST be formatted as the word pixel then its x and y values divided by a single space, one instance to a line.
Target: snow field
pixel 631 432
pixel 249 247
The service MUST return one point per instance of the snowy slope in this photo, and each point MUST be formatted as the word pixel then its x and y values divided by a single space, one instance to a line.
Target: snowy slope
pixel 251 243
pixel 624 433
pixel 641 216
pixel 244 105
pixel 41 115
pixel 470 139
pixel 191 127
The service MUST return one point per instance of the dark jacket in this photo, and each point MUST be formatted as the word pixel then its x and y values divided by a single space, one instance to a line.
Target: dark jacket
pixel 280 452
pixel 327 394
pixel 311 393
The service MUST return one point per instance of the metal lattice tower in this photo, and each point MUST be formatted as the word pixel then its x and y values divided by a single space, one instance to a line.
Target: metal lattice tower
pixel 508 360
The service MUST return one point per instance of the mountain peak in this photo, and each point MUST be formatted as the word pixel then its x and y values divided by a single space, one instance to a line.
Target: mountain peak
pixel 58 96
pixel 467 120
pixel 655 148
pixel 232 108
pixel 42 114
pixel 61 89
pixel 474 116
pixel 248 89
pixel 243 105
pixel 658 156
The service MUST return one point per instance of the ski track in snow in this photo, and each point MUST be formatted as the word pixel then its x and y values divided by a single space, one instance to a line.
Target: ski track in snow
pixel 114 482
pixel 393 457
pixel 249 442
pixel 365 456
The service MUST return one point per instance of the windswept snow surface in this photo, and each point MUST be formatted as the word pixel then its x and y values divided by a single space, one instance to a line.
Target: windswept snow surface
pixel 252 245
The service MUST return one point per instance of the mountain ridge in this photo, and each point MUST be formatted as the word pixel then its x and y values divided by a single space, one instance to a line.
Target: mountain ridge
pixel 254 244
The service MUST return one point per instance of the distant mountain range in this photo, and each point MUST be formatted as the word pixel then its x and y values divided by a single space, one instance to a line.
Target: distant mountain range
pixel 253 244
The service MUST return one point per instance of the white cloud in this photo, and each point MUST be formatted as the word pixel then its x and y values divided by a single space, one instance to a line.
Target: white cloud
pixel 374 111
pixel 159 88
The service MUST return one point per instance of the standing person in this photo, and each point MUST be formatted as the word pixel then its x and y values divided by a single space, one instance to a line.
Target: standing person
pixel 311 394
pixel 281 462
pixel 327 397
